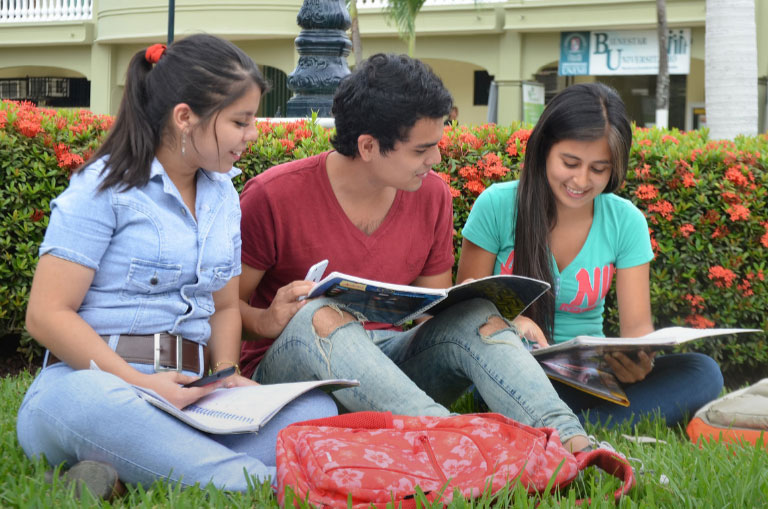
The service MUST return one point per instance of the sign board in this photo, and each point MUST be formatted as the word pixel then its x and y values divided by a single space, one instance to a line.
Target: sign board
pixel 622 52
pixel 533 101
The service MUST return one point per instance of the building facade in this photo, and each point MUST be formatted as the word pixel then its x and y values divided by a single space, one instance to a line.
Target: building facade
pixel 75 52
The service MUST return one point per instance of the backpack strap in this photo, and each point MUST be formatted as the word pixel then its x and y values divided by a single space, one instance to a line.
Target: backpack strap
pixel 612 463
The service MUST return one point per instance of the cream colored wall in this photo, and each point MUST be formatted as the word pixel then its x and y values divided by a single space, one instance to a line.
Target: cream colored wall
pixel 512 40
pixel 73 60
pixel 458 78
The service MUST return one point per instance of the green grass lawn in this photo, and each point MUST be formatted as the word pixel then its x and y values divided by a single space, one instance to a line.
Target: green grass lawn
pixel 711 476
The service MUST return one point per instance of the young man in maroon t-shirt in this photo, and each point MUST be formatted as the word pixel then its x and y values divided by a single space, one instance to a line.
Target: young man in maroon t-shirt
pixel 374 209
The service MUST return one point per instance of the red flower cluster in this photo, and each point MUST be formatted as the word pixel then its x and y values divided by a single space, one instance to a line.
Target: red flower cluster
pixel 669 137
pixel 696 301
pixel 67 159
pixel 664 208
pixel 491 166
pixel 643 172
pixel 722 277
pixel 738 212
pixel 686 230
pixel 646 192
pixel 287 144
pixel 3 118
pixel 28 120
pixel 699 322
pixel 735 174
pixel 517 142
pixel 37 215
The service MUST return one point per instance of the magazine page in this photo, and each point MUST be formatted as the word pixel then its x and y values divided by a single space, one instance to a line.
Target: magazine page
pixel 511 294
pixel 590 375
pixel 376 301
pixel 591 346
pixel 239 409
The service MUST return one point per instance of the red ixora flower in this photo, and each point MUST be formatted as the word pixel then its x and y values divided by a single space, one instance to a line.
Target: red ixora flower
pixel 475 187
pixel 696 301
pixel 738 212
pixel 669 137
pixel 722 277
pixel 687 229
pixel 37 215
pixel 646 192
pixel 663 207
pixel 67 159
pixel 699 322
pixel 517 142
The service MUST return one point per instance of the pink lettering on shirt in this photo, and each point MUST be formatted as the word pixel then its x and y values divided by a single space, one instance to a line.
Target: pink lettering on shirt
pixel 591 290
pixel 506 267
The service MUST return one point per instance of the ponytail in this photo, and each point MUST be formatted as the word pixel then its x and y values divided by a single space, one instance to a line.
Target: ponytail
pixel 203 71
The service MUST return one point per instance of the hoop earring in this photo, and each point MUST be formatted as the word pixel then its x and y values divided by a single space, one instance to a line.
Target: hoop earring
pixel 183 143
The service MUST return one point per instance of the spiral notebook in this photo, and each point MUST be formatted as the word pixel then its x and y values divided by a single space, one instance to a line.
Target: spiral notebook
pixel 240 409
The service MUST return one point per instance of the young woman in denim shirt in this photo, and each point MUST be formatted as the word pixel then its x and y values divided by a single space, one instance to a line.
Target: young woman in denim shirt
pixel 143 251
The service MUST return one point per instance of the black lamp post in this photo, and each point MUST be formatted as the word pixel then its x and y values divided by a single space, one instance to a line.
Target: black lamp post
pixel 323 47
pixel 171 17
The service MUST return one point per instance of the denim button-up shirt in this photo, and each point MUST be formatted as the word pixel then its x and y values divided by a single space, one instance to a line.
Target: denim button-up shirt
pixel 155 265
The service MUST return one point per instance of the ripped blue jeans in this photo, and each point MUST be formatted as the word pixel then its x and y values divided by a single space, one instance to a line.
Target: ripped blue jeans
pixel 423 370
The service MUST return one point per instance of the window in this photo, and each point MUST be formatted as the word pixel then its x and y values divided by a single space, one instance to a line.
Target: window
pixel 482 87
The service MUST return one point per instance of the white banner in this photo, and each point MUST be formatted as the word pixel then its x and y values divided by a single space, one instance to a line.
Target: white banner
pixel 623 52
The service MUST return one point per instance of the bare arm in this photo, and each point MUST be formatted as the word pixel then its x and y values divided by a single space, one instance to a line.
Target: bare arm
pixel 226 328
pixel 58 289
pixel 634 303
pixel 475 262
pixel 269 322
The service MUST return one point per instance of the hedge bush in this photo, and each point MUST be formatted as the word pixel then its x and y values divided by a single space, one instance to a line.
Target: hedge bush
pixel 705 202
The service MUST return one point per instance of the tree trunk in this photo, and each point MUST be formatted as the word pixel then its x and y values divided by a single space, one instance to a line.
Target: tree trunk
pixel 662 82
pixel 731 68
pixel 357 44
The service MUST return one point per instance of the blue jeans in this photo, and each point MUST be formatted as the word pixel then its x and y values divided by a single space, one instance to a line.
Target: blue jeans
pixel 72 415
pixel 423 370
pixel 678 385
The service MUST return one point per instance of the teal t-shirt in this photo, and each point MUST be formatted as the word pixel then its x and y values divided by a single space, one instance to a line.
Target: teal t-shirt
pixel 618 239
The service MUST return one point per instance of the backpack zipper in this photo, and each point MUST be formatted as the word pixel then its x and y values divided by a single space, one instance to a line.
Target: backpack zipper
pixel 431 455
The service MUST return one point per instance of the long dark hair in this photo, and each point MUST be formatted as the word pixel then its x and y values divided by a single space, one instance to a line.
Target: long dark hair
pixel 587 111
pixel 203 71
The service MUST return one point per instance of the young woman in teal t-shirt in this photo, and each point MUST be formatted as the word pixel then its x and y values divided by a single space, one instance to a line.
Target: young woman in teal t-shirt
pixel 561 223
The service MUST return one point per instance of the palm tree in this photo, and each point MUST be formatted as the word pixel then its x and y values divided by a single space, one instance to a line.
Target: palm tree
pixel 730 79
pixel 662 82
pixel 357 44
pixel 403 13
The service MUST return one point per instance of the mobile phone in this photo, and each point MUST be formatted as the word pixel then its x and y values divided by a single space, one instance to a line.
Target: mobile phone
pixel 315 273
pixel 213 377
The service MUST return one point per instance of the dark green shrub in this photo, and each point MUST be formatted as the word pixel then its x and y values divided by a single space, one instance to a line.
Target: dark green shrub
pixel 705 203
pixel 38 150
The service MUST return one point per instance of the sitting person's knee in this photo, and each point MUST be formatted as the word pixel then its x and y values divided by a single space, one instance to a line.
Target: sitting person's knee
pixel 327 319
pixel 493 325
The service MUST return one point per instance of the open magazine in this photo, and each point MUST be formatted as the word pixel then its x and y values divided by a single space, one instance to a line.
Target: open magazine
pixel 239 409
pixel 580 363
pixel 398 304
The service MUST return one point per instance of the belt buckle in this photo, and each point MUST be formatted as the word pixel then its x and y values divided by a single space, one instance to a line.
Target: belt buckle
pixel 158 367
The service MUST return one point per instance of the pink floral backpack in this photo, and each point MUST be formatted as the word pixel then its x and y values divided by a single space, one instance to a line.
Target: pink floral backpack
pixel 379 458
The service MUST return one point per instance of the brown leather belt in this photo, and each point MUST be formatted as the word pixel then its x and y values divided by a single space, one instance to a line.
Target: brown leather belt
pixel 160 350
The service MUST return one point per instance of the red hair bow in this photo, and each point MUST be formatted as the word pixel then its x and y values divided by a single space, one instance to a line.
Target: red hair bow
pixel 154 53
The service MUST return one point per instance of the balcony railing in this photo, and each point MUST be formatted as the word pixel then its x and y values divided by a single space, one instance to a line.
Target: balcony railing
pixel 32 11
pixel 381 4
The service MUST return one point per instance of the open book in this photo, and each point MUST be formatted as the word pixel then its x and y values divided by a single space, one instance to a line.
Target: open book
pixel 580 363
pixel 240 409
pixel 398 304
